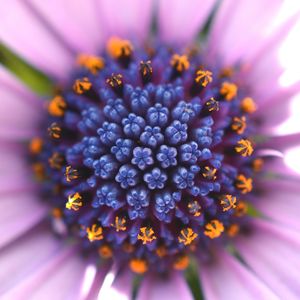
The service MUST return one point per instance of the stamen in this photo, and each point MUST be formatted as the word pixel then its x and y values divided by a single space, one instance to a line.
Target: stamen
pixel 116 83
pixel 71 174
pixel 55 131
pixel 244 184
pixel 209 173
pixel 82 85
pixel 56 213
pixel 119 224
pixel 244 147
pixel 248 105
pixel 228 90
pixel 214 229
pixel 257 164
pixel 128 248
pixel 180 62
pixel 105 251
pixel 228 202
pixel 57 106
pixel 161 251
pixel 138 266
pixel 181 263
pixel 94 233
pixel 226 72
pixel 212 105
pixel 194 208
pixel 93 63
pixel 239 124
pixel 241 209
pixel 186 236
pixel 56 161
pixel 36 145
pixel 203 77
pixel 118 48
pixel 74 202
pixel 233 230
pixel 39 171
pixel 146 71
pixel 146 235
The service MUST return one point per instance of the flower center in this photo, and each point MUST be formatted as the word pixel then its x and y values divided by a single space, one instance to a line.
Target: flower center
pixel 146 157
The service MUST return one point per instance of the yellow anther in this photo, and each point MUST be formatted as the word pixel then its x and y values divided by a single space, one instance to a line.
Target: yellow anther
pixel 146 71
pixel 105 251
pixel 74 202
pixel 248 105
pixel 57 106
pixel 115 81
pixel 36 145
pixel 228 202
pixel 244 147
pixel 118 48
pixel 203 77
pixel 71 174
pixel 257 164
pixel 81 86
pixel 139 266
pixel 244 184
pixel 194 208
pixel 180 62
pixel 212 105
pixel 241 209
pixel 39 171
pixel 56 161
pixel 239 124
pixel 181 263
pixel 55 131
pixel 228 90
pixel 146 235
pixel 93 63
pixel 161 251
pixel 226 72
pixel 119 224
pixel 209 173
pixel 187 235
pixel 233 230
pixel 94 233
pixel 214 229
pixel 56 213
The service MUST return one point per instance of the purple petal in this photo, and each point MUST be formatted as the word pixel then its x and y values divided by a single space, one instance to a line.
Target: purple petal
pixel 174 287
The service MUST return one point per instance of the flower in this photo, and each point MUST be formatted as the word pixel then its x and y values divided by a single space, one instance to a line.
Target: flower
pixel 151 158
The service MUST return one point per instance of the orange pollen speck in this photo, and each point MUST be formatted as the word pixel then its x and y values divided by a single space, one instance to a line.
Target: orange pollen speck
pixel 209 173
pixel 212 105
pixel 36 145
pixel 241 209
pixel 71 174
pixel 115 80
pixel 228 90
pixel 74 202
pixel 57 106
pixel 93 63
pixel 105 251
pixel 82 85
pixel 180 62
pixel 117 47
pixel 228 202
pixel 119 224
pixel 54 131
pixel 181 263
pixel 244 184
pixel 233 230
pixel 203 77
pixel 138 266
pixel 226 72
pixel 244 147
pixel 56 213
pixel 214 229
pixel 187 236
pixel 248 105
pixel 56 161
pixel 146 68
pixel 161 251
pixel 146 235
pixel 39 171
pixel 239 124
pixel 194 208
pixel 257 164
pixel 94 233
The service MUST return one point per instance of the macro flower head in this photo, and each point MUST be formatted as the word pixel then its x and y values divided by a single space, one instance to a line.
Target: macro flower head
pixel 141 151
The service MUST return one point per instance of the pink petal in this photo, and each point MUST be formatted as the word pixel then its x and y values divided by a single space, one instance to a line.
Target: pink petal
pixel 180 21
pixel 239 23
pixel 75 22
pixel 19 213
pixel 20 110
pixel 272 251
pixel 226 278
pixel 174 287
pixel 28 36
pixel 25 255
pixel 126 18
pixel 283 142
